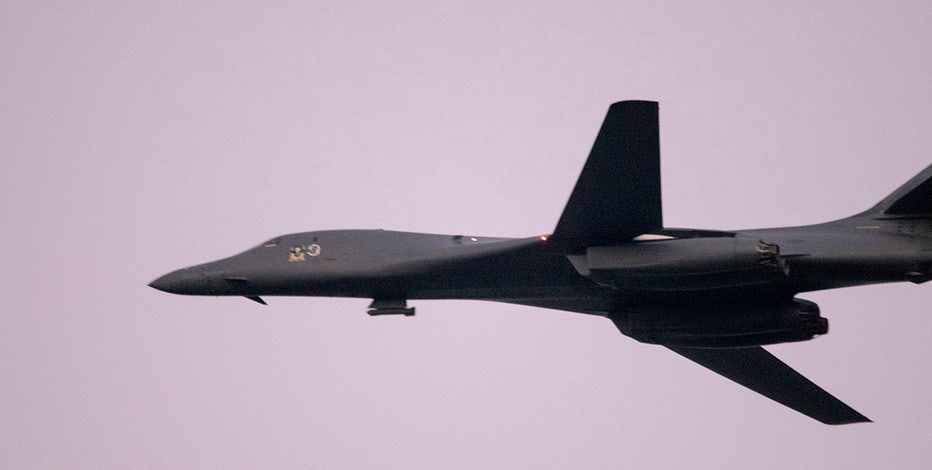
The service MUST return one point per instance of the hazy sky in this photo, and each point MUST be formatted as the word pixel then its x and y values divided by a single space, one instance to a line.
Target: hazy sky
pixel 140 138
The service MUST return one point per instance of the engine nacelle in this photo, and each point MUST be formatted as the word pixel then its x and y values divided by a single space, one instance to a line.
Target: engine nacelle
pixel 723 325
pixel 683 264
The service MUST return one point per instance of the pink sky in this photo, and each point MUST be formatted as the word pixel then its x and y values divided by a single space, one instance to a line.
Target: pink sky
pixel 139 139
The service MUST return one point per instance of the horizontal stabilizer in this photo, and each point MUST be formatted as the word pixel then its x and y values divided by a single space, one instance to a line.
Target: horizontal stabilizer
pixel 617 196
pixel 757 369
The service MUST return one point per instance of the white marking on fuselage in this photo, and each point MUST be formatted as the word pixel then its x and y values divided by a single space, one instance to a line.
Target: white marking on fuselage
pixel 646 237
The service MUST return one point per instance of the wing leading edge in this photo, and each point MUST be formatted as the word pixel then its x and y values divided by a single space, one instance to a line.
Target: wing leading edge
pixel 757 369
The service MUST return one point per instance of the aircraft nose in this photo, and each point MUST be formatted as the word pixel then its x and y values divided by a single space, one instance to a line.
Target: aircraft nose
pixel 182 281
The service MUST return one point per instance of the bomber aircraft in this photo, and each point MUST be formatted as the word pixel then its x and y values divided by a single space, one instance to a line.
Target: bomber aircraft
pixel 714 297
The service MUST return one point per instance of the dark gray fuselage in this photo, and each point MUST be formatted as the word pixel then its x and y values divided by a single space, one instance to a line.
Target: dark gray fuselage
pixel 713 297
pixel 398 265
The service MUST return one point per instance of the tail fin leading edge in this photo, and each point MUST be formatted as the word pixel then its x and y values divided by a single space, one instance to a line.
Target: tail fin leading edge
pixel 912 200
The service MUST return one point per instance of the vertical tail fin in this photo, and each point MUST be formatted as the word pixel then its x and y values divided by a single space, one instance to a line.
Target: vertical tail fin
pixel 913 200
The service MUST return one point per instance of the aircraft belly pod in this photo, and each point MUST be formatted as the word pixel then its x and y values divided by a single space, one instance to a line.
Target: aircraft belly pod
pixel 713 297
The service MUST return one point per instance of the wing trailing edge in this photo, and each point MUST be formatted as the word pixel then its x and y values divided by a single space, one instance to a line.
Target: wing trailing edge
pixel 757 369
pixel 617 196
